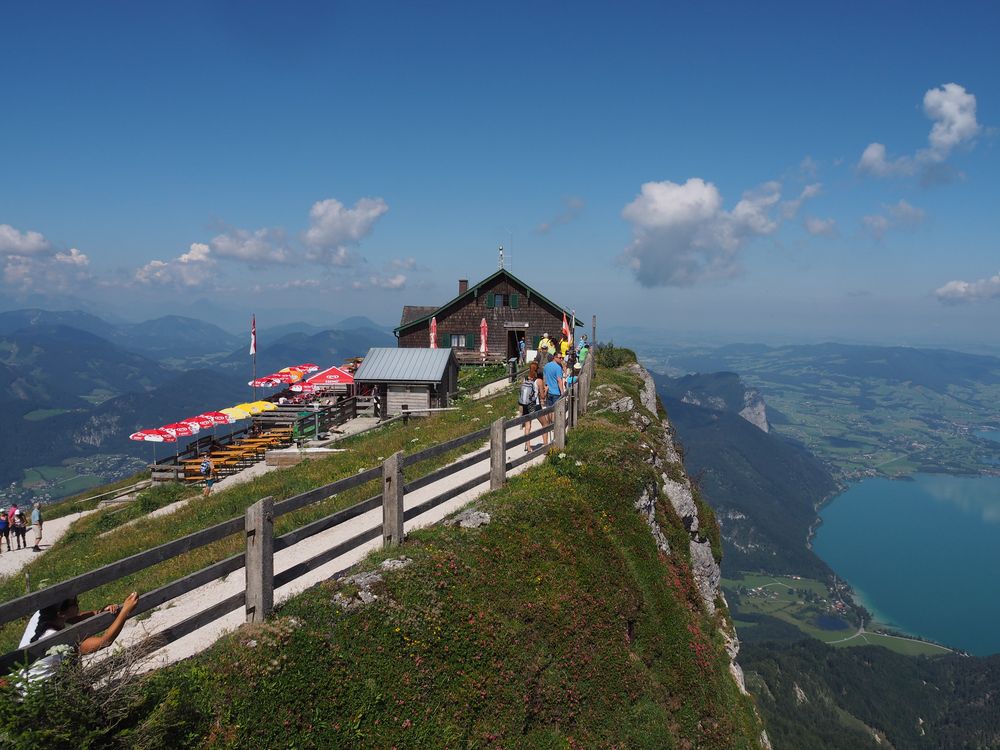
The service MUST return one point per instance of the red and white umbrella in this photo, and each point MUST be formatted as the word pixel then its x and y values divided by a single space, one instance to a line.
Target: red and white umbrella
pixel 327 378
pixel 307 367
pixel 180 429
pixel 267 382
pixel 483 331
pixel 201 420
pixel 434 332
pixel 218 417
pixel 153 436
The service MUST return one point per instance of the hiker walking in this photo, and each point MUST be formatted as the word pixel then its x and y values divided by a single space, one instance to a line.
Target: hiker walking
pixel 207 470
pixel 529 400
pixel 36 524
pixel 20 526
pixel 4 529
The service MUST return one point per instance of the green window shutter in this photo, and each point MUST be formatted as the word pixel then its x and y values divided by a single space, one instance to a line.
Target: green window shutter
pixel 490 299
pixel 534 342
pixel 444 340
pixel 470 341
pixel 515 299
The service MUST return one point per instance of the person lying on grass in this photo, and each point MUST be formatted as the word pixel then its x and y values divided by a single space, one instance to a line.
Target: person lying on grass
pixel 55 617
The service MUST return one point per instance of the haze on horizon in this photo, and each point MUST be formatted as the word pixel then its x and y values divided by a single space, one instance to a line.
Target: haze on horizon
pixel 753 173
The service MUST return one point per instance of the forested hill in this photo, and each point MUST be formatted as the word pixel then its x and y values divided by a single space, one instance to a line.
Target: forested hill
pixel 816 696
pixel 763 486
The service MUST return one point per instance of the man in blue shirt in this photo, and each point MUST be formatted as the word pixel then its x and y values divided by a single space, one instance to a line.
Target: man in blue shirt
pixel 555 384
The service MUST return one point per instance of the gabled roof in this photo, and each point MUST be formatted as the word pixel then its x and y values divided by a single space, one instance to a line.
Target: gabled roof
pixel 409 365
pixel 473 291
pixel 415 312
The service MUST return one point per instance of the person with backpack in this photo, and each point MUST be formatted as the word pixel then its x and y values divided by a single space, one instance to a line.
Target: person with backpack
pixel 20 528
pixel 4 529
pixel 207 470
pixel 528 398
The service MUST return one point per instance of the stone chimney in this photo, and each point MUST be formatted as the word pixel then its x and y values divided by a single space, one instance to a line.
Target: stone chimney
pixel 463 286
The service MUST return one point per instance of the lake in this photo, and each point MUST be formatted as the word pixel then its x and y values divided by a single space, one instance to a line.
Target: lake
pixel 922 555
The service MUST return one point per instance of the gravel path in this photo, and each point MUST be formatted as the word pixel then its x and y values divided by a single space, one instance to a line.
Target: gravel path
pixel 13 561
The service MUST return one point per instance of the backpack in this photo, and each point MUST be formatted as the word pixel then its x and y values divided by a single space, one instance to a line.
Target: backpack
pixel 19 519
pixel 527 395
pixel 206 467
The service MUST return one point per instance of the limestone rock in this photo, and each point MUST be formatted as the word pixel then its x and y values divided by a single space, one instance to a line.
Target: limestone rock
pixel 755 410
pixel 683 501
pixel 471 519
pixel 707 574
pixel 646 505
pixel 622 405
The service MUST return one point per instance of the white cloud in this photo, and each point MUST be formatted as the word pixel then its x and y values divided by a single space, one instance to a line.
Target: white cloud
pixel 953 111
pixel 682 235
pixel 821 227
pixel 74 258
pixel 572 206
pixel 199 252
pixel 333 228
pixel 958 292
pixel 407 264
pixel 901 215
pixel 791 207
pixel 260 246
pixel 14 242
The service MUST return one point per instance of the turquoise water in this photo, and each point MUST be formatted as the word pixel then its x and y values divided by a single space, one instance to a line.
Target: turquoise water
pixel 923 555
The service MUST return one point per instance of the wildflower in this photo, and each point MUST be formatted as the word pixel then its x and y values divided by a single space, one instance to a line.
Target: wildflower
pixel 562 455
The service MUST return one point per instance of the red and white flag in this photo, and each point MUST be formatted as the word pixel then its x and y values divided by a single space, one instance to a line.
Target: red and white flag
pixel 565 328
pixel 253 334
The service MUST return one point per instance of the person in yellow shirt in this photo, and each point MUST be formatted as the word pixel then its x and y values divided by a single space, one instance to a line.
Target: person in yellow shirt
pixel 545 348
pixel 563 346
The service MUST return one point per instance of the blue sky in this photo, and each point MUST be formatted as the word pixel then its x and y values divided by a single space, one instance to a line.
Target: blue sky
pixel 708 169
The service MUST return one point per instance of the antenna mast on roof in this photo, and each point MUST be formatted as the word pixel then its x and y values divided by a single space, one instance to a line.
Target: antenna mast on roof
pixel 501 258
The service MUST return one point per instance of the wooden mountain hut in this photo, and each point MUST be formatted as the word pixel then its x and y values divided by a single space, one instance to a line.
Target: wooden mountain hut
pixel 512 309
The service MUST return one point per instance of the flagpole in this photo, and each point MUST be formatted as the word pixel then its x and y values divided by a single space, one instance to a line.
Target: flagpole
pixel 253 353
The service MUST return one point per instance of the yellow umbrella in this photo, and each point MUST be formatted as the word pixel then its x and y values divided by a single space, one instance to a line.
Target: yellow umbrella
pixel 236 413
pixel 265 405
pixel 249 408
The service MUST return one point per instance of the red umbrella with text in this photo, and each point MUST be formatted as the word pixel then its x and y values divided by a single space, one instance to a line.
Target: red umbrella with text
pixel 434 332
pixel 154 437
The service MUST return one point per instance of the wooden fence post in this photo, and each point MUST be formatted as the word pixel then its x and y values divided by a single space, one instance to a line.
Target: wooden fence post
pixel 559 430
pixel 498 454
pixel 260 560
pixel 392 500
pixel 575 404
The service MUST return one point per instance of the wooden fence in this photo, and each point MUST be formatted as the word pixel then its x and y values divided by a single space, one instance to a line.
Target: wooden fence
pixel 258 526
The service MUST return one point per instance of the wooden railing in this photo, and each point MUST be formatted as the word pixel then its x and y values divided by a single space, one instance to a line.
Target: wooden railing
pixel 261 544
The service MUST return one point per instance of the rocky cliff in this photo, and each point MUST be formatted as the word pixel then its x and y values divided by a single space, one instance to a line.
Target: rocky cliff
pixel 645 413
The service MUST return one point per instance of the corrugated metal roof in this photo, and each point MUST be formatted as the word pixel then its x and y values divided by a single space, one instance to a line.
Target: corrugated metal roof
pixel 406 365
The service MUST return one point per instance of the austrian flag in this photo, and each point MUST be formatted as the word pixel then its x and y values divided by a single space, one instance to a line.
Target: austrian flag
pixel 253 334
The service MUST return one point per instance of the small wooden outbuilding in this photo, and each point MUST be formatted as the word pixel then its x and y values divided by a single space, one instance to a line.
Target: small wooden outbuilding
pixel 414 378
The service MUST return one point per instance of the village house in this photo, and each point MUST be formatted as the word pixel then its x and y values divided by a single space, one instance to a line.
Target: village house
pixel 512 310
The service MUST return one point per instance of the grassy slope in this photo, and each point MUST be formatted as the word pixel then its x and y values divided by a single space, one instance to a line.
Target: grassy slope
pixel 558 625
pixel 84 548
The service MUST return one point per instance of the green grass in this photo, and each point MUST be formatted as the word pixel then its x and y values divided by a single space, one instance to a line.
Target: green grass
pixel 558 625
pixel 83 548
pixel 781 597
pixel 39 414
pixel 473 377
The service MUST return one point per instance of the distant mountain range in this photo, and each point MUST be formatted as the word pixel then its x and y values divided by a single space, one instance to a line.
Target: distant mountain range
pixel 73 384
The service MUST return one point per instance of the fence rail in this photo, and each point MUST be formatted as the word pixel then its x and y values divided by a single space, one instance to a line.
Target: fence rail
pixel 257 524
